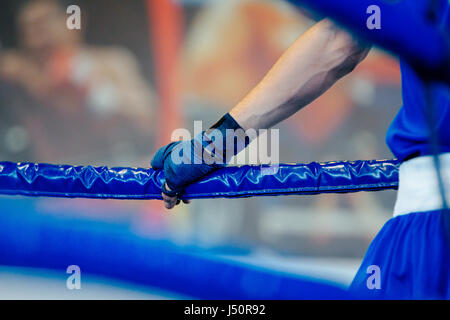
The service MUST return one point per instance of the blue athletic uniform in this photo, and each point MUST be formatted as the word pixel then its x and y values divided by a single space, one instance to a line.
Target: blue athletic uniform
pixel 408 134
pixel 412 251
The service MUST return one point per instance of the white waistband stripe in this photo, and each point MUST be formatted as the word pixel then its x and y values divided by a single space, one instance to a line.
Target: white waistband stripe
pixel 418 185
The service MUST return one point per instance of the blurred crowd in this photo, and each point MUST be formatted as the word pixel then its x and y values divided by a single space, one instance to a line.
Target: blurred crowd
pixel 92 96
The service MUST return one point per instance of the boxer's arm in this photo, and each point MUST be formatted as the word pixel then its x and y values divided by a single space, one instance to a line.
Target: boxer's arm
pixel 315 61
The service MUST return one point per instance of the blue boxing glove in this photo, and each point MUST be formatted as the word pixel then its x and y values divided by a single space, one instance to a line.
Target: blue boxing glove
pixel 185 162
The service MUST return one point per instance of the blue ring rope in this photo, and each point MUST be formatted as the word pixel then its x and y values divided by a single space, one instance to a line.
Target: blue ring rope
pixel 32 179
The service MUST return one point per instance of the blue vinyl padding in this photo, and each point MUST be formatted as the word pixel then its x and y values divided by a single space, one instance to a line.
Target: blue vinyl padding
pixel 31 179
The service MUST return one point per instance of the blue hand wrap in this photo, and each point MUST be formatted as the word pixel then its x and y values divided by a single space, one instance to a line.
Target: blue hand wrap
pixel 185 162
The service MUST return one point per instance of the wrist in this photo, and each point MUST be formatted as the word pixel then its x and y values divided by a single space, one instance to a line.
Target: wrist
pixel 225 139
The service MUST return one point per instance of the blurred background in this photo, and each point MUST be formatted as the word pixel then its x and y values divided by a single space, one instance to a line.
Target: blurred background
pixel 112 92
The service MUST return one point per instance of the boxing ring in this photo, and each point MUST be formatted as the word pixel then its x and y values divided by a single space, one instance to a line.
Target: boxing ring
pixel 107 250
pixel 111 251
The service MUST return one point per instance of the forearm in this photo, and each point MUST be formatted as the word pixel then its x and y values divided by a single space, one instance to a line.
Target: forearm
pixel 315 61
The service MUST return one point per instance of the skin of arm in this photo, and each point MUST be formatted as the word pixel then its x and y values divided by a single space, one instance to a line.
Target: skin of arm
pixel 312 64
